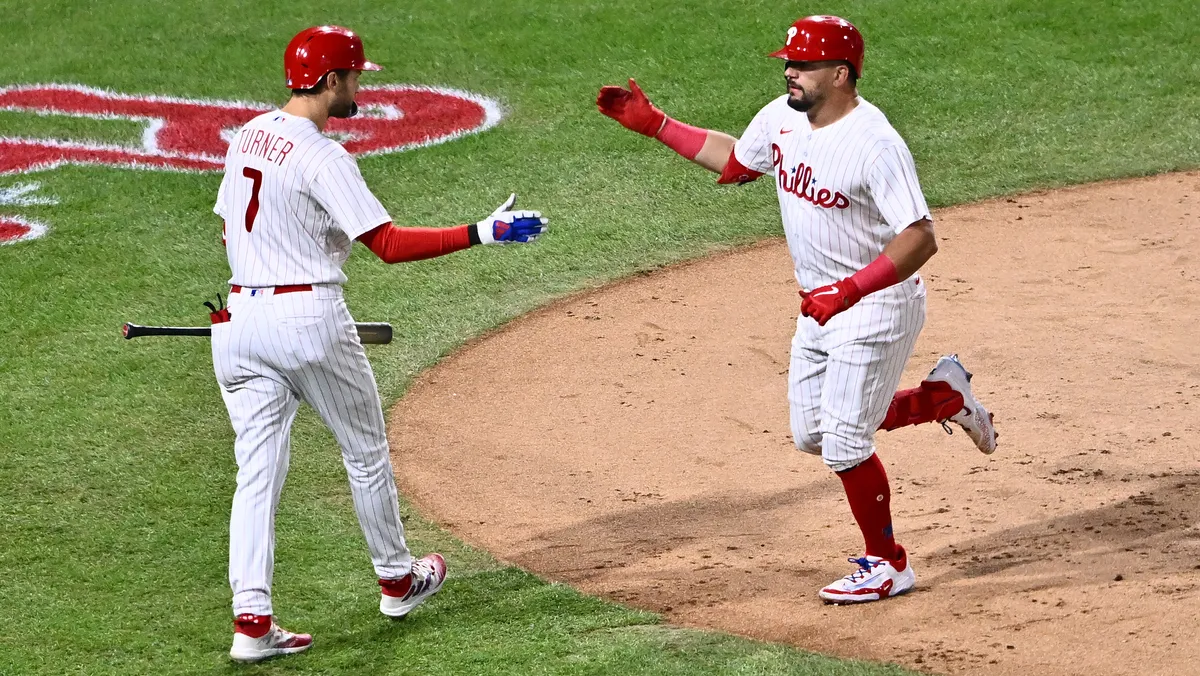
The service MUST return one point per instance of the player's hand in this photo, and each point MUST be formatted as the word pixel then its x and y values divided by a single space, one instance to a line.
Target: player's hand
pixel 824 302
pixel 506 226
pixel 631 108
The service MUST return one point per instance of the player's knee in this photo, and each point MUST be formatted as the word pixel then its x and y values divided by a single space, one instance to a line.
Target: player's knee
pixel 367 464
pixel 808 442
pixel 841 452
pixel 839 466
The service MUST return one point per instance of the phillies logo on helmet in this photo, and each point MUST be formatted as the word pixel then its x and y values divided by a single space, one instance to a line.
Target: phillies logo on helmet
pixel 823 38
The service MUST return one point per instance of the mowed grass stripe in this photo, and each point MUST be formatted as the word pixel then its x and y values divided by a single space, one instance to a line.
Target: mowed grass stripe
pixel 115 458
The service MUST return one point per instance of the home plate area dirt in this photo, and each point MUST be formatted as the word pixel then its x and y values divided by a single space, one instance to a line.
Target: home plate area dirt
pixel 633 441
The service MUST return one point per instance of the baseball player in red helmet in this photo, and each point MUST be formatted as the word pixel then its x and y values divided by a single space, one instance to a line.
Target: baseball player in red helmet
pixel 858 230
pixel 293 202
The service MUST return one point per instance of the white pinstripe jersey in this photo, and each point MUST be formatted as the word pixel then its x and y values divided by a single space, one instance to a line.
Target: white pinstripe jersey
pixel 845 190
pixel 293 202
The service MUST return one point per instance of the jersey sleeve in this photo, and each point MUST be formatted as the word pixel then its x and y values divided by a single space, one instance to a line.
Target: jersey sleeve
pixel 753 149
pixel 892 181
pixel 340 189
pixel 219 207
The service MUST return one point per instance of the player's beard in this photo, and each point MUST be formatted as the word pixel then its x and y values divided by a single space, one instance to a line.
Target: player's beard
pixel 803 103
pixel 343 104
pixel 343 109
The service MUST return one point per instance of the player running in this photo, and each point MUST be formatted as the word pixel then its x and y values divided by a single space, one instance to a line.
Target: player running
pixel 858 230
pixel 293 202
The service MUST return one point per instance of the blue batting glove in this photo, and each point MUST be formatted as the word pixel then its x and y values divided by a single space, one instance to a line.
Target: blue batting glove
pixel 506 226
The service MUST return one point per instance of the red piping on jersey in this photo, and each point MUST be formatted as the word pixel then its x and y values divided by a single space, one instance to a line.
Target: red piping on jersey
pixel 734 172
pixel 402 245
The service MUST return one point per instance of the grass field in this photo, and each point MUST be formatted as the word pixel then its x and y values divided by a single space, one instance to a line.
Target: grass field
pixel 116 464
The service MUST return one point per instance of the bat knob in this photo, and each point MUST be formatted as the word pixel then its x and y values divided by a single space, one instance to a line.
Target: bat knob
pixel 125 331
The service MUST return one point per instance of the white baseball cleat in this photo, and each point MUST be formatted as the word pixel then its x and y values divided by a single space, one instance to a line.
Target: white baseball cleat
pixel 257 637
pixel 401 596
pixel 975 420
pixel 875 579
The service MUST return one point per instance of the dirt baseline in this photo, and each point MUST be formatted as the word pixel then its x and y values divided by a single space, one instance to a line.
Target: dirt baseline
pixel 639 450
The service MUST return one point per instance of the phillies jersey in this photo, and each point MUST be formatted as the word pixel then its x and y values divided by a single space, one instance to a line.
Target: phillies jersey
pixel 845 190
pixel 293 202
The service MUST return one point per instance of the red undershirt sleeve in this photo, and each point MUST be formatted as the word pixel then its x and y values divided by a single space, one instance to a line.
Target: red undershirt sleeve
pixel 734 172
pixel 402 245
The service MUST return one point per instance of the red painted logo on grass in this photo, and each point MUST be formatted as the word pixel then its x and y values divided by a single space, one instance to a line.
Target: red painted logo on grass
pixel 193 135
pixel 14 229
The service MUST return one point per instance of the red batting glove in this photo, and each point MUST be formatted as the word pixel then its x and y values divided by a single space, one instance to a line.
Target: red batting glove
pixel 631 108
pixel 824 302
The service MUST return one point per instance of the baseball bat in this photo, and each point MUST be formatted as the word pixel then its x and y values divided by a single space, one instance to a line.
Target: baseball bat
pixel 370 333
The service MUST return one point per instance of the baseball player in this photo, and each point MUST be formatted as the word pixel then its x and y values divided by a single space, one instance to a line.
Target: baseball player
pixel 293 202
pixel 858 231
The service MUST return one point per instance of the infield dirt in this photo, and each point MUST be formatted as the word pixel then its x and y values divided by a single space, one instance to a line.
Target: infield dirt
pixel 633 442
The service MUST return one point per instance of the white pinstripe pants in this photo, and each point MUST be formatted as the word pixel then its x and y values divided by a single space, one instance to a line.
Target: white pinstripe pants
pixel 274 353
pixel 843 375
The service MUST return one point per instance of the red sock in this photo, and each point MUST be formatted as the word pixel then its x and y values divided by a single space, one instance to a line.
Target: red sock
pixel 254 626
pixel 397 588
pixel 928 403
pixel 870 499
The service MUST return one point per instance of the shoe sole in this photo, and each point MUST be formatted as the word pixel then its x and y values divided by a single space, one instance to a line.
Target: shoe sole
pixel 995 435
pixel 267 654
pixel 850 601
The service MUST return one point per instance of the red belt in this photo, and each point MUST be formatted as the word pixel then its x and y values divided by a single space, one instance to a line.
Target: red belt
pixel 287 288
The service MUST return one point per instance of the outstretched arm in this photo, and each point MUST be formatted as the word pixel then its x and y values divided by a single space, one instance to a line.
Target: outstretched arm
pixel 711 149
pixel 400 245
pixel 716 151
pixel 403 245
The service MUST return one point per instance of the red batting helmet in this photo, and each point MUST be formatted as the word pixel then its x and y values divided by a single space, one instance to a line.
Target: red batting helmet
pixel 823 38
pixel 316 51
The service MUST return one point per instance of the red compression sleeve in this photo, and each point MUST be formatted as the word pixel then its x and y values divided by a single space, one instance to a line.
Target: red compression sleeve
pixel 402 245
pixel 682 138
pixel 879 275
pixel 734 172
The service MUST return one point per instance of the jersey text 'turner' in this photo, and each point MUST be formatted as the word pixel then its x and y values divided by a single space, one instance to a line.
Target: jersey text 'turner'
pixel 262 144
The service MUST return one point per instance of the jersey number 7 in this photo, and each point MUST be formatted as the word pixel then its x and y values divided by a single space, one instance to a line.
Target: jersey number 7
pixel 252 208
